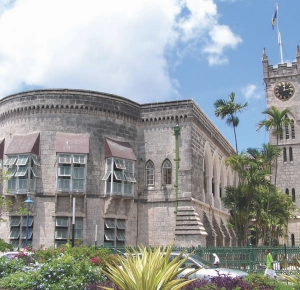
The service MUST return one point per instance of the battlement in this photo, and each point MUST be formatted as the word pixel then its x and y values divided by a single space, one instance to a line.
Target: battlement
pixel 282 69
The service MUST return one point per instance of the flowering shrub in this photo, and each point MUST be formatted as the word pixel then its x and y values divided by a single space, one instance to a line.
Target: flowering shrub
pixel 64 272
pixel 252 282
pixel 68 268
pixel 96 261
pixel 80 268
pixel 8 267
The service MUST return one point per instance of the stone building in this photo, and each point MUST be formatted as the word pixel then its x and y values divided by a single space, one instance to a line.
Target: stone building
pixel 283 91
pixel 109 171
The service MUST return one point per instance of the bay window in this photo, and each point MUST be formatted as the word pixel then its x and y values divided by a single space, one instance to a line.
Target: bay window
pixel 119 177
pixel 22 172
pixel 71 172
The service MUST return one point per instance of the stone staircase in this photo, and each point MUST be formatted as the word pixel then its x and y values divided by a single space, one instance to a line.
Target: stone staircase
pixel 189 227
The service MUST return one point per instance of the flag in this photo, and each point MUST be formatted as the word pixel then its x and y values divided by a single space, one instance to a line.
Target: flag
pixel 274 17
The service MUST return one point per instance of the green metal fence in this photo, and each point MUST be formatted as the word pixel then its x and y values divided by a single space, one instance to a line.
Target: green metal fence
pixel 249 259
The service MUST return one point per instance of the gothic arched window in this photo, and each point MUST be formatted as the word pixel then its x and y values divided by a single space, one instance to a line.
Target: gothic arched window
pixel 291 154
pixel 293 129
pixel 287 129
pixel 281 133
pixel 149 173
pixel 167 172
pixel 284 155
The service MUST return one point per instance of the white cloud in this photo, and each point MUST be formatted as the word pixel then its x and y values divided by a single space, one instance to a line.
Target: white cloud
pixel 221 37
pixel 114 46
pixel 250 92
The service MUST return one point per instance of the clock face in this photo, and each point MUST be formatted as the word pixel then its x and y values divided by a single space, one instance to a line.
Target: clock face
pixel 284 91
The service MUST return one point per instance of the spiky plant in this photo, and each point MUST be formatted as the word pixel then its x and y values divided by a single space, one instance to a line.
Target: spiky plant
pixel 148 269
pixel 293 276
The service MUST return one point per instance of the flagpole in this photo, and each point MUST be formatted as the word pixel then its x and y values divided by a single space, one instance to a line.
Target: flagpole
pixel 279 35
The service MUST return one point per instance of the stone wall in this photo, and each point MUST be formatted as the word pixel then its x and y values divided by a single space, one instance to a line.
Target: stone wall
pixel 149 128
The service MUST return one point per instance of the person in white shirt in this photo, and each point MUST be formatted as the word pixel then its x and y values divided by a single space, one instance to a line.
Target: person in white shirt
pixel 217 260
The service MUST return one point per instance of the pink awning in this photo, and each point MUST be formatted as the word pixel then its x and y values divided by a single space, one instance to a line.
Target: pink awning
pixel 113 148
pixel 72 143
pixel 20 144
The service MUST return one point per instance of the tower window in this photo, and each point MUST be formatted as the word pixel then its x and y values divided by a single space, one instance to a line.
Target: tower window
pixel 284 155
pixel 281 133
pixel 293 129
pixel 287 133
pixel 291 154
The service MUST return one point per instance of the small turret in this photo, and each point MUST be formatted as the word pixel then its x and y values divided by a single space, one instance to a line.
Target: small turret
pixel 298 58
pixel 265 64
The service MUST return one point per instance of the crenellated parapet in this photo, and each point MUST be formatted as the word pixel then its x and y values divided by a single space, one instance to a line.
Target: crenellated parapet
pixel 282 70
pixel 165 112
pixel 69 101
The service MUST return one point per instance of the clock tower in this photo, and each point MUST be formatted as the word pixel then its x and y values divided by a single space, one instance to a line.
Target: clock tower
pixel 283 91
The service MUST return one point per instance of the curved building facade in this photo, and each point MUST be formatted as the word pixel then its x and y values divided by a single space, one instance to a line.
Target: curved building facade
pixel 109 171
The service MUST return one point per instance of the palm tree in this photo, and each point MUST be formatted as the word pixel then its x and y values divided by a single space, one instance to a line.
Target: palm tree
pixel 266 158
pixel 275 122
pixel 234 200
pixel 251 181
pixel 228 110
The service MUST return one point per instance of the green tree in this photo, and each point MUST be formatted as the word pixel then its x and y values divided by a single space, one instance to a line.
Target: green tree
pixel 252 180
pixel 228 109
pixel 237 163
pixel 256 199
pixel 5 204
pixel 266 158
pixel 233 199
pixel 276 121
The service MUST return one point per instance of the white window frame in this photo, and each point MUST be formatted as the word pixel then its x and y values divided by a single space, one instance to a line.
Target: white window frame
pixel 114 232
pixel 150 173
pixel 71 172
pixel 22 171
pixel 64 227
pixel 17 234
pixel 10 160
pixel 119 177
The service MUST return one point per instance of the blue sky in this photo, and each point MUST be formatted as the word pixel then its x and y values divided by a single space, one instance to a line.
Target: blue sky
pixel 150 51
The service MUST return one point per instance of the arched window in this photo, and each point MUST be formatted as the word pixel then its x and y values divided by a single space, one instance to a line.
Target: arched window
pixel 293 195
pixel 293 129
pixel 291 154
pixel 167 172
pixel 149 173
pixel 281 133
pixel 293 240
pixel 287 133
pixel 284 155
pixel 286 128
pixel 287 191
